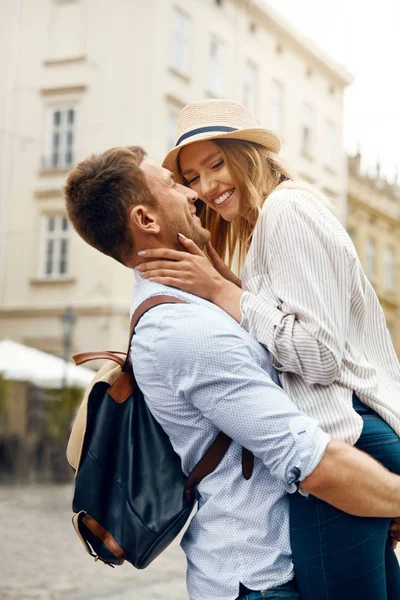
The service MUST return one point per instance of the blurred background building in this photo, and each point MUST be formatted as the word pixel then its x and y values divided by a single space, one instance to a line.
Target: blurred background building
pixel 373 223
pixel 81 76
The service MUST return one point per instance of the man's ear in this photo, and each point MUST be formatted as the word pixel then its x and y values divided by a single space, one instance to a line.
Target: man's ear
pixel 144 219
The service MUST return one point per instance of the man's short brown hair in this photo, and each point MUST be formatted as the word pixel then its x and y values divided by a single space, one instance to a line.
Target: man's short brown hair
pixel 98 194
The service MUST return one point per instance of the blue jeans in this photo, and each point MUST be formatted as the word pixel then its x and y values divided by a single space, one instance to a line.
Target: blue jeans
pixel 287 591
pixel 340 557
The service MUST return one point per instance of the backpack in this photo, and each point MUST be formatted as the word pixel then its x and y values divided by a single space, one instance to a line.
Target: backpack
pixel 131 497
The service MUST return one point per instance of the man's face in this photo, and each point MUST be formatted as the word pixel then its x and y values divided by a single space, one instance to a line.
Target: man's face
pixel 175 207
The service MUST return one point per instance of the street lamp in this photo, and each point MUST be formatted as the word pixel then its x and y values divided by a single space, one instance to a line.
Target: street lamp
pixel 68 320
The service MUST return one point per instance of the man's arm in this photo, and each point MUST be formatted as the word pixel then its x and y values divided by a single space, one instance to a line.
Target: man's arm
pixel 208 358
pixel 354 482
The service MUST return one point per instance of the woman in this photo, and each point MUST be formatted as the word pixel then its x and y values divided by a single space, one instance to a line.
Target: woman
pixel 304 296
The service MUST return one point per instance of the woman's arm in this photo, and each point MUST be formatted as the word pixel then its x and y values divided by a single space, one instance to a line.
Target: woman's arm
pixel 299 287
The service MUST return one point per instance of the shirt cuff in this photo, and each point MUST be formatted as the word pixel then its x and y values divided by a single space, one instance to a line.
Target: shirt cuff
pixel 311 443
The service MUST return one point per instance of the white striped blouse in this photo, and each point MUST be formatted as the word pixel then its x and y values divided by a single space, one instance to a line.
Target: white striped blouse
pixel 308 300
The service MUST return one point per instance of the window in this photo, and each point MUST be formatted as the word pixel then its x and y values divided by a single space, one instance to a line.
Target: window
pixel 307 140
pixel 180 43
pixel 216 68
pixel 250 87
pixel 389 268
pixel 66 30
pixel 277 107
pixel 173 115
pixel 330 144
pixel 60 150
pixel 55 247
pixel 370 259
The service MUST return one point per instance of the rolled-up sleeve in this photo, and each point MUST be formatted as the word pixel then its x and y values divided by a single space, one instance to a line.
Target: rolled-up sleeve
pixel 210 361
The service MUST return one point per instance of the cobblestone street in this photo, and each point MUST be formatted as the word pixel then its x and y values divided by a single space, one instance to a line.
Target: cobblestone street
pixel 41 557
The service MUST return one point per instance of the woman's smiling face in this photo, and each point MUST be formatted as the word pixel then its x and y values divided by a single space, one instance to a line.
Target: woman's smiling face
pixel 203 167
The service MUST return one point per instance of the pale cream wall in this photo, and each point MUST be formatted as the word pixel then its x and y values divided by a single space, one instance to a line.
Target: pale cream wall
pixel 374 213
pixel 113 64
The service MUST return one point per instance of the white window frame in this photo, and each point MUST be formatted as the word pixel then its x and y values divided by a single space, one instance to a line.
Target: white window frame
pixel 250 86
pixel 389 268
pixel 308 130
pixel 59 240
pixel 276 106
pixel 330 144
pixel 216 63
pixel 180 43
pixel 64 158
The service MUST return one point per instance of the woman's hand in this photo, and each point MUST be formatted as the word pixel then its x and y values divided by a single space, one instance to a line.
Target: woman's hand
pixel 189 271
pixel 221 266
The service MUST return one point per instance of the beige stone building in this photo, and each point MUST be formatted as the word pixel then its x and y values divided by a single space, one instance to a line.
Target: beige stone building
pixel 78 76
pixel 373 223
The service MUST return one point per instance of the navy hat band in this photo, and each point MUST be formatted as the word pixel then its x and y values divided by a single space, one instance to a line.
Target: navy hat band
pixel 208 129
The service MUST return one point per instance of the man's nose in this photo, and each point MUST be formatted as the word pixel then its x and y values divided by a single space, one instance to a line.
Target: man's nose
pixel 191 195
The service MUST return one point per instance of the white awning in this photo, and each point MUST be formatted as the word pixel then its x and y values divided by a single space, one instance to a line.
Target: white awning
pixel 22 363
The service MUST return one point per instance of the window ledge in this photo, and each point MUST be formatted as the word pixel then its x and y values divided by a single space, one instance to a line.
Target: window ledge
pixel 67 60
pixel 307 156
pixel 47 172
pixel 212 95
pixel 179 74
pixel 48 280
pixel 330 170
pixel 307 178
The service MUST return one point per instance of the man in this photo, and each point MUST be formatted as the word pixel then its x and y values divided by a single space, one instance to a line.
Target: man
pixel 201 373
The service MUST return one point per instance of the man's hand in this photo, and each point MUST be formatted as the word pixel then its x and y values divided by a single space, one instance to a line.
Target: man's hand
pixel 394 532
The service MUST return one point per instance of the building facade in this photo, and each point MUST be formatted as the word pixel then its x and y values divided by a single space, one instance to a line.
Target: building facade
pixel 80 76
pixel 373 223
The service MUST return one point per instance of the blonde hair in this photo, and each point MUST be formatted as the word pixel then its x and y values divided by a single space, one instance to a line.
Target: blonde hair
pixel 257 172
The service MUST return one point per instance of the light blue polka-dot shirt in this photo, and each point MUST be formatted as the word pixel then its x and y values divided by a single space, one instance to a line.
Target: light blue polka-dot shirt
pixel 201 373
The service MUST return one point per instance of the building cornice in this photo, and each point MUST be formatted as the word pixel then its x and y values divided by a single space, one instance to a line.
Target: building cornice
pixel 356 202
pixel 301 43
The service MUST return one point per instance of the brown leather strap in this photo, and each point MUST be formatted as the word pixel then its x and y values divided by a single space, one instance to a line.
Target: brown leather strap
pixel 218 448
pixel 83 357
pixel 139 312
pixel 105 536
pixel 208 463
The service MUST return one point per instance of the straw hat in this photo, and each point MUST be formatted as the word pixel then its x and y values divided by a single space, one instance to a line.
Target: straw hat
pixel 217 119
